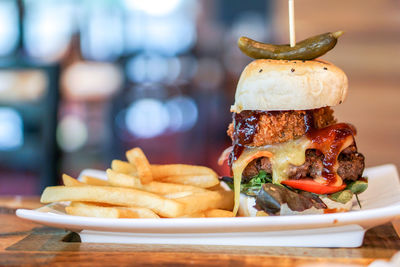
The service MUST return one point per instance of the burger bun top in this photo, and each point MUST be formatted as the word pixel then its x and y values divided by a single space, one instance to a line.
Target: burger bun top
pixel 267 84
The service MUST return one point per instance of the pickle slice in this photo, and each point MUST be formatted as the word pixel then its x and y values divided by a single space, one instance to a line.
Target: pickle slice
pixel 342 196
pixel 358 187
pixel 307 49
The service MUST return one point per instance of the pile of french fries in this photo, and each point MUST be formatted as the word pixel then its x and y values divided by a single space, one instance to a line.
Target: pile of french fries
pixel 136 189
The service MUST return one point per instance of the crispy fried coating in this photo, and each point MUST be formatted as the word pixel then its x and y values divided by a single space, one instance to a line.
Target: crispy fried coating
pixel 279 127
pixel 323 117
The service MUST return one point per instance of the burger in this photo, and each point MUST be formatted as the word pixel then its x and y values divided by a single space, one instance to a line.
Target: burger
pixel 289 155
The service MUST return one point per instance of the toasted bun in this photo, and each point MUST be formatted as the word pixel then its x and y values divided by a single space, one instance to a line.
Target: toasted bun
pixel 289 85
pixel 247 208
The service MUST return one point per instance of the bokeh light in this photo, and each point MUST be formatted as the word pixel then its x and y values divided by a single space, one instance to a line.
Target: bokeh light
pixel 102 33
pixel 183 113
pixel 11 129
pixel 146 118
pixel 155 69
pixel 168 35
pixel 48 28
pixel 72 133
pixel 91 80
pixel 153 7
pixel 8 26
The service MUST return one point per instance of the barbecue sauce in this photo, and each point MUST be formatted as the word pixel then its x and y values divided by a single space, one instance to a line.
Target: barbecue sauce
pixel 246 126
pixel 331 141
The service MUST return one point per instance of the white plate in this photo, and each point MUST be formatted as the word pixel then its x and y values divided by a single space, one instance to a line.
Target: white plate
pixel 381 204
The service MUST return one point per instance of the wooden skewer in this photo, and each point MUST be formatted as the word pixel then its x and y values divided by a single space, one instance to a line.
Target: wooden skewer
pixel 292 34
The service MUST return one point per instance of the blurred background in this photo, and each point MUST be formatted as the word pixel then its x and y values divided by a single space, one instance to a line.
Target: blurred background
pixel 81 82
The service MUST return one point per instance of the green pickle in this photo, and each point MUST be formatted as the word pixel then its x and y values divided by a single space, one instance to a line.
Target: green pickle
pixel 307 49
pixel 342 196
pixel 357 187
pixel 346 195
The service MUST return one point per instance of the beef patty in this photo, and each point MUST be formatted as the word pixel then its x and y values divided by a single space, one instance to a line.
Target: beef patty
pixel 351 165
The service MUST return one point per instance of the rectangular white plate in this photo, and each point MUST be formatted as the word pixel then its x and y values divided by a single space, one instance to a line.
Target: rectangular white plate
pixel 381 204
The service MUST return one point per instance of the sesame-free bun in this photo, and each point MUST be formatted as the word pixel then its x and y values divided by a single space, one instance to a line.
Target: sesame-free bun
pixel 289 85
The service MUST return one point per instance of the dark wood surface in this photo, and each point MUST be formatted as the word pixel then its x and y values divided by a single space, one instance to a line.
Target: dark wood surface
pixel 26 243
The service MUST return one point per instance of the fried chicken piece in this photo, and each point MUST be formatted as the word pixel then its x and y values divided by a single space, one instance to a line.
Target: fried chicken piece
pixel 323 117
pixel 279 127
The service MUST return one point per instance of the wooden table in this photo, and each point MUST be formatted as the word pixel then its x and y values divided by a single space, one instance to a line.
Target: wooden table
pixel 26 243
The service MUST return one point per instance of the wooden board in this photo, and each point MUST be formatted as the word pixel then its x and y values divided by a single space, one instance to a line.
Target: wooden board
pixel 23 242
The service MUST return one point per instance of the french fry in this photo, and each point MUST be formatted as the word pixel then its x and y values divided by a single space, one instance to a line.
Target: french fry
pixel 136 189
pixel 124 180
pixel 136 157
pixel 161 171
pixel 101 212
pixel 261 213
pixel 217 187
pixel 89 204
pixel 69 181
pixel 218 213
pixel 86 180
pixel 124 212
pixel 114 195
pixel 123 167
pixel 194 215
pixel 178 194
pixel 111 212
pixel 202 180
pixel 199 202
pixel 94 181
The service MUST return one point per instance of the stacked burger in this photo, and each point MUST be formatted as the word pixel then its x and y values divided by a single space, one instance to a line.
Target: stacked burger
pixel 289 154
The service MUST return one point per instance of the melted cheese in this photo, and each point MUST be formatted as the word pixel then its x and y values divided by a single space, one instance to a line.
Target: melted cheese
pixel 292 152
pixel 281 156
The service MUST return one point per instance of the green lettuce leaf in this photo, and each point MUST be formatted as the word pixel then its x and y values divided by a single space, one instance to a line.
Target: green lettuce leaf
pixel 253 186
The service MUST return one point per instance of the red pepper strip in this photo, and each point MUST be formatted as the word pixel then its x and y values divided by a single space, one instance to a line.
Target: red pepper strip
pixel 312 186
